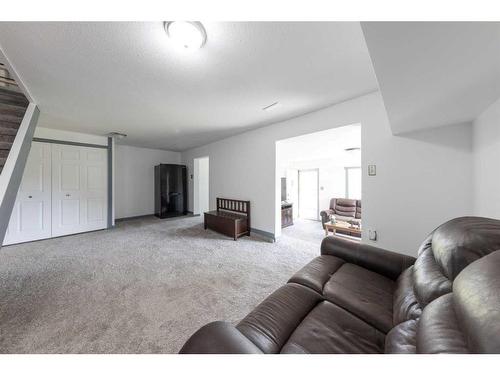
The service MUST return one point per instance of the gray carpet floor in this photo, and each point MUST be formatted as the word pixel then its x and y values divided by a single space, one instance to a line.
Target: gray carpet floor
pixel 142 287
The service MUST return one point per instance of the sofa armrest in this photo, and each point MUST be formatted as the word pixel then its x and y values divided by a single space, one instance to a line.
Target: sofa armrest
pixel 219 338
pixel 384 262
pixel 325 216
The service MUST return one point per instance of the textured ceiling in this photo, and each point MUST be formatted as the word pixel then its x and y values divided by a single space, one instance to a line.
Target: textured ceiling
pixel 127 77
pixel 435 73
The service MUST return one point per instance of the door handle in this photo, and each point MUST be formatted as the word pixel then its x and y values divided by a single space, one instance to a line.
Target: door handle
pixel 68 195
pixel 30 196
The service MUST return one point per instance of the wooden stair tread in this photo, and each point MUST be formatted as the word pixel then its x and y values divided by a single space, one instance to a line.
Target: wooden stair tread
pixel 10 117
pixel 8 131
pixel 7 137
pixel 13 97
pixel 5 145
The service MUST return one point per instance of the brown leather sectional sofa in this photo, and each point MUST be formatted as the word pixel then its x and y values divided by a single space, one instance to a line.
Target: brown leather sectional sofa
pixel 357 298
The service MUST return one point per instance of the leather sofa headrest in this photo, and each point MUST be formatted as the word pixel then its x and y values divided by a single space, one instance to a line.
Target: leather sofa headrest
pixel 461 241
pixel 448 250
pixel 346 202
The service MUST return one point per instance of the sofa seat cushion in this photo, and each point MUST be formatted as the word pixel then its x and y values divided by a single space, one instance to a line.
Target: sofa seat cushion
pixel 317 272
pixel 273 321
pixel 364 293
pixel 331 329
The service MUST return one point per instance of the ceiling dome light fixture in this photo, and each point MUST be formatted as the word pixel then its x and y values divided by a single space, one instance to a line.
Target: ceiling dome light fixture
pixel 187 34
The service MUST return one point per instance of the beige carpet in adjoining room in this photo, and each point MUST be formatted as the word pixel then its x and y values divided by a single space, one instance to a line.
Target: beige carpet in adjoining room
pixel 143 287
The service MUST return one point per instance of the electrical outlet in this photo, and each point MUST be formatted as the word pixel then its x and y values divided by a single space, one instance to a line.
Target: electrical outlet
pixel 372 235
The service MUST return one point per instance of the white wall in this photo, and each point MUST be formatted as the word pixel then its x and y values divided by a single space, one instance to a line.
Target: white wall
pixel 201 199
pixel 486 162
pixel 423 178
pixel 134 178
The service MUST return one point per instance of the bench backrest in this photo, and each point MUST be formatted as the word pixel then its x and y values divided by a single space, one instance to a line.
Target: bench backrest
pixel 234 205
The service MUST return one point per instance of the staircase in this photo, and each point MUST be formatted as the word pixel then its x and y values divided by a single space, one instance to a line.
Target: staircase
pixel 13 105
pixel 18 119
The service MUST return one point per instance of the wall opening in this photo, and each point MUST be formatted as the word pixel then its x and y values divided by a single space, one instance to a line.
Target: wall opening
pixel 313 169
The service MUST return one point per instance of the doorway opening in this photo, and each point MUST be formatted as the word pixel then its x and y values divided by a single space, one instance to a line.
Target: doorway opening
pixel 318 183
pixel 308 202
pixel 201 178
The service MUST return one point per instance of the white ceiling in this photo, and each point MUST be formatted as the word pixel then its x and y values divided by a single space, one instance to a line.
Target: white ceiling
pixel 127 77
pixel 326 144
pixel 435 74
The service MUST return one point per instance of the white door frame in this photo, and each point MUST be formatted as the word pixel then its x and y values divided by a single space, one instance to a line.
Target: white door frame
pixel 317 191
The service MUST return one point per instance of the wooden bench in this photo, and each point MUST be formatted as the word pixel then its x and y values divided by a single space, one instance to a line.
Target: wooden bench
pixel 231 218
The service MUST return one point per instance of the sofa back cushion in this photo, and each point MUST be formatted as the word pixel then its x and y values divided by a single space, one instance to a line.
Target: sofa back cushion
pixel 476 299
pixel 448 250
pixel 459 242
pixel 345 207
pixel 405 304
pixel 467 320
pixel 438 329
pixel 448 301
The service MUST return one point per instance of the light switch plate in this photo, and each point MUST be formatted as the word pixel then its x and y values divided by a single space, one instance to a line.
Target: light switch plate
pixel 372 235
pixel 372 170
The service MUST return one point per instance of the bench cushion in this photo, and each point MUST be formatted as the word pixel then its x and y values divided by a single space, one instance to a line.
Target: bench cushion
pixel 227 214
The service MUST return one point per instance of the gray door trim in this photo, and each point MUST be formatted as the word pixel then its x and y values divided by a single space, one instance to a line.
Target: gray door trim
pixel 48 140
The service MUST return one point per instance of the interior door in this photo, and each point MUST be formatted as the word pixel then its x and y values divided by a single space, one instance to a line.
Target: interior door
pixel 308 194
pixel 31 216
pixel 79 189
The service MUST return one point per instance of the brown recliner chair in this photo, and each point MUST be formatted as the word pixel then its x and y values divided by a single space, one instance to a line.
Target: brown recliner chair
pixel 357 298
pixel 343 209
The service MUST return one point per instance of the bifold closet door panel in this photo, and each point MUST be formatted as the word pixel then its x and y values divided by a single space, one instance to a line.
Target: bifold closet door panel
pixel 31 216
pixel 79 189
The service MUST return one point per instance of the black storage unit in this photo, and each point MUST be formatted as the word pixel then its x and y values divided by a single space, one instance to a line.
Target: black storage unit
pixel 170 190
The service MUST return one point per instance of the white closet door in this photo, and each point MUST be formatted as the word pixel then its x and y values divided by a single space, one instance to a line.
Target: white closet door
pixel 79 189
pixel 31 217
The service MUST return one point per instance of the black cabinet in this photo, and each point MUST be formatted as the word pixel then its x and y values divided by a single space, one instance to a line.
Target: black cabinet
pixel 170 190
pixel 286 214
